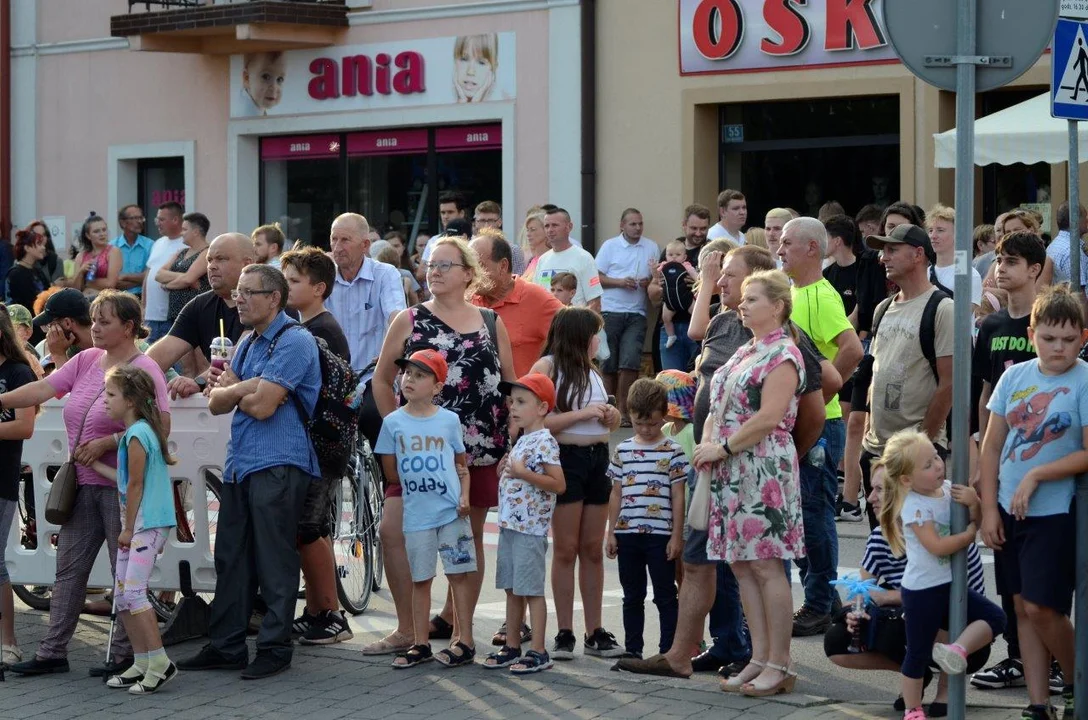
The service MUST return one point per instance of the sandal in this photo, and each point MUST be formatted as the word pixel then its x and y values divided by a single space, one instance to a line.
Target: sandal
pixel 386 646
pixel 442 629
pixel 783 686
pixel 416 655
pixel 120 682
pixel 499 638
pixel 533 662
pixel 733 683
pixel 447 658
pixel 503 658
pixel 151 683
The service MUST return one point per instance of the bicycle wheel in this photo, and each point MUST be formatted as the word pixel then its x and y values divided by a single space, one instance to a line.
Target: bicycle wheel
pixel 373 498
pixel 165 602
pixel 352 547
pixel 36 597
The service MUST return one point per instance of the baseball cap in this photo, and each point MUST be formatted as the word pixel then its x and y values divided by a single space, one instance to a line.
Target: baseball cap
pixel 66 303
pixel 20 315
pixel 428 361
pixel 538 384
pixel 902 235
pixel 458 227
pixel 680 392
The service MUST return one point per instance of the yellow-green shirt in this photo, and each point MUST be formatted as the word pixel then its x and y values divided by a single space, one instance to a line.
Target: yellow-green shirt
pixel 818 310
pixel 685 438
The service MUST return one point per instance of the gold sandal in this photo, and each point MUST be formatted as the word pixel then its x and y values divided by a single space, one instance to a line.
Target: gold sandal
pixel 732 685
pixel 783 686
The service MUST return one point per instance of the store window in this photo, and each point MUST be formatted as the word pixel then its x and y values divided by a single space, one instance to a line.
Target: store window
pixel 1005 187
pixel 803 153
pixel 393 177
pixel 159 180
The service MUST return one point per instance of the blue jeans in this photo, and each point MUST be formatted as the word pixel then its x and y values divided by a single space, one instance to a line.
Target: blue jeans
pixel 732 642
pixel 638 554
pixel 682 353
pixel 819 487
pixel 159 329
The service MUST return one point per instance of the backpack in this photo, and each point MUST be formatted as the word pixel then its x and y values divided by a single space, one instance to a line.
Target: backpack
pixel 335 423
pixel 927 331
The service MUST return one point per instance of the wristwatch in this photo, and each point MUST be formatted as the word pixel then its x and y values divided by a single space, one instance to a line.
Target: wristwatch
pixel 201 383
pixel 728 451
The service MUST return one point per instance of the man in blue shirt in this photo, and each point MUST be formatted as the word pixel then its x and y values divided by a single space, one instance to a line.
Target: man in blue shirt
pixel 135 249
pixel 270 465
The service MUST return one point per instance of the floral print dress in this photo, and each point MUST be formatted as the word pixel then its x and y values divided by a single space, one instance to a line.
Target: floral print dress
pixel 755 504
pixel 472 384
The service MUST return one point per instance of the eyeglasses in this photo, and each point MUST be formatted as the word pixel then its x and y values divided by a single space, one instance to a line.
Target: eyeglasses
pixel 248 294
pixel 442 266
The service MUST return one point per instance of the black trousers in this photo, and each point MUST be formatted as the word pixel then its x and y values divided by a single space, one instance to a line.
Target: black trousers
pixel 256 548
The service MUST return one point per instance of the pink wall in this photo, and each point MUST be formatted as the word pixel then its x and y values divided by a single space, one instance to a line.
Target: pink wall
pixel 88 101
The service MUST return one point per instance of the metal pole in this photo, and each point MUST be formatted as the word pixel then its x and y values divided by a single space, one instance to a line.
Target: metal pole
pixel 961 368
pixel 1080 681
pixel 1074 204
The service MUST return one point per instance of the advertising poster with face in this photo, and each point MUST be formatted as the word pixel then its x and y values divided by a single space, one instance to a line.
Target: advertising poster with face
pixel 432 71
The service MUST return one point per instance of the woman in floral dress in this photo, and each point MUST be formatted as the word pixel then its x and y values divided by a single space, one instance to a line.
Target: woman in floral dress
pixel 755 508
pixel 477 360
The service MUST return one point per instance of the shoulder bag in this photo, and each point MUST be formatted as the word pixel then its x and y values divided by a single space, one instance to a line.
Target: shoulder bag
pixel 62 492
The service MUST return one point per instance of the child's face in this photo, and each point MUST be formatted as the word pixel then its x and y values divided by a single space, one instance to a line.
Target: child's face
pixel 525 408
pixel 562 294
pixel 24 332
pixel 928 473
pixel 648 427
pixel 675 254
pixel 876 497
pixel 416 384
pixel 1011 272
pixel 474 75
pixel 263 79
pixel 1057 346
pixel 116 405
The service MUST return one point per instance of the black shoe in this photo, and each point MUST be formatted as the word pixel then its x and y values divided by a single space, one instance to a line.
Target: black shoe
pixel 807 621
pixel 1057 679
pixel 563 648
pixel 733 668
pixel 211 659
pixel 328 628
pixel 265 665
pixel 602 644
pixel 705 662
pixel 37 666
pixel 110 669
pixel 301 625
pixel 1005 674
pixel 1038 712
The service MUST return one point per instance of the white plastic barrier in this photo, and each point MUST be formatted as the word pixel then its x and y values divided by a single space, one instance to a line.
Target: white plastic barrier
pixel 198 440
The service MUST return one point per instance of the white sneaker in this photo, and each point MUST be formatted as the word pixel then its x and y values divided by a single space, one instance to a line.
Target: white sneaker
pixel 10 654
pixel 670 341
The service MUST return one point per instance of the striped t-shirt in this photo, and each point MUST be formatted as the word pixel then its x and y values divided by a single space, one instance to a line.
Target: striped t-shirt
pixel 646 474
pixel 888 569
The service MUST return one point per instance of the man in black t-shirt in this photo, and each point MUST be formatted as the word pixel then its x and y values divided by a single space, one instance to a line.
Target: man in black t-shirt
pixel 199 321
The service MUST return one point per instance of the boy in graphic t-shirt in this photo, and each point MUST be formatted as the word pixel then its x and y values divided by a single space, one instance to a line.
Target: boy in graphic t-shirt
pixel 422 448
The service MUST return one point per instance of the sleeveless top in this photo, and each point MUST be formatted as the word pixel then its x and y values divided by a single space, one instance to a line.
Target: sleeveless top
pixel 472 384
pixel 597 394
pixel 101 262
pixel 179 298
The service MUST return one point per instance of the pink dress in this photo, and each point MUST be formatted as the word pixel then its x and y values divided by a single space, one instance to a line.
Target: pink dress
pixel 755 505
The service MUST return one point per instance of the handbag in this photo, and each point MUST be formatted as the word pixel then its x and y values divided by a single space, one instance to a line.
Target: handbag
pixel 699 510
pixel 62 493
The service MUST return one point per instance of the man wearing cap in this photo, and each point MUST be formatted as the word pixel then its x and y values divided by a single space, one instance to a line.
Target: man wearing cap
pixel 66 321
pixel 526 309
pixel 906 392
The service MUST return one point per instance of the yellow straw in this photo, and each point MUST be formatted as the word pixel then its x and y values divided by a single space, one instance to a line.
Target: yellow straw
pixel 222 334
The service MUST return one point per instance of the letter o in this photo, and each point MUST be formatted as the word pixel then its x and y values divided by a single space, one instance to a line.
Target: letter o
pixel 717 28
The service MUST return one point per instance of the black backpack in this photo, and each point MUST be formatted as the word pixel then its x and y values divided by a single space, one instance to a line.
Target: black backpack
pixel 677 292
pixel 335 423
pixel 927 331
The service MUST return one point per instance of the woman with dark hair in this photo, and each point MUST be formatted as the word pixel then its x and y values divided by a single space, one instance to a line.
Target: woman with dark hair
pixel 26 279
pixel 98 266
pixel 52 265
pixel 92 436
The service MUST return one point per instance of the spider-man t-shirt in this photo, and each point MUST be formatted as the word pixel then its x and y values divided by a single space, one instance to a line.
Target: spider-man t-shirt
pixel 1045 414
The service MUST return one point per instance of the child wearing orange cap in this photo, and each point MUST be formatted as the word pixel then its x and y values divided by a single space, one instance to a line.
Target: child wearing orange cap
pixel 422 448
pixel 530 482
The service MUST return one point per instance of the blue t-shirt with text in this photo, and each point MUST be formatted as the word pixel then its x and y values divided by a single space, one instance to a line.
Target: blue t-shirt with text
pixel 1045 415
pixel 425 448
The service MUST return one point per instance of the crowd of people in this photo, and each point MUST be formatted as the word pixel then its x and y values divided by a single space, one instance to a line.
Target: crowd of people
pixel 805 378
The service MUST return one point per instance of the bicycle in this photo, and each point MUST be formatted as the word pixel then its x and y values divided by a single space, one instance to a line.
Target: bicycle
pixel 356 544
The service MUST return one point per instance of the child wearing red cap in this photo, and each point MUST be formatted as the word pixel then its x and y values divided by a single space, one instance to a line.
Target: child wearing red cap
pixel 528 488
pixel 422 448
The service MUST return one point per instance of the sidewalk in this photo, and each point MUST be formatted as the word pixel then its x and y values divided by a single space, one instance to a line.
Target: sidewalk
pixel 339 682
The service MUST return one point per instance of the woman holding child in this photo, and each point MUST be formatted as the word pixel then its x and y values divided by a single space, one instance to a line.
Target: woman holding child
pixel 478 359
pixel 755 508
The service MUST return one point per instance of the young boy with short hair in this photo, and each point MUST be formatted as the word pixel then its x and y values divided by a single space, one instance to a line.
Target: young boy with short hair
pixel 422 448
pixel 530 482
pixel 646 514
pixel 1035 446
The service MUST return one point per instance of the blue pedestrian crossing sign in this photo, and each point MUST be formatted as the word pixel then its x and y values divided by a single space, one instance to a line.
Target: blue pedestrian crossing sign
pixel 1069 75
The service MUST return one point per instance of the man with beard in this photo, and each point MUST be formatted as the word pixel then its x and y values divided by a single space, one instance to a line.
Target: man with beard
pixel 682 354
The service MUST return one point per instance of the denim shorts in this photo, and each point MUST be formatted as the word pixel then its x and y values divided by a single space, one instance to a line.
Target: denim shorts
pixel 626 336
pixel 452 542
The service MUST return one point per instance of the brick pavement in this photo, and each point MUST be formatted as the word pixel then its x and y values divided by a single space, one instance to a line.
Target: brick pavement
pixel 339 682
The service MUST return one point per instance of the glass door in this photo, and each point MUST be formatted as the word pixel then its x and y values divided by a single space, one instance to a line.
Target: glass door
pixel 302 186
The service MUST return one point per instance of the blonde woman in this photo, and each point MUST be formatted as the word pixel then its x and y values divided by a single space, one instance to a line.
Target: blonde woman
pixel 757 237
pixel 755 510
pixel 533 240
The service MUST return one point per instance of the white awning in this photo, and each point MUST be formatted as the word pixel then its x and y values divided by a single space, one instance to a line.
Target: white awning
pixel 1024 133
